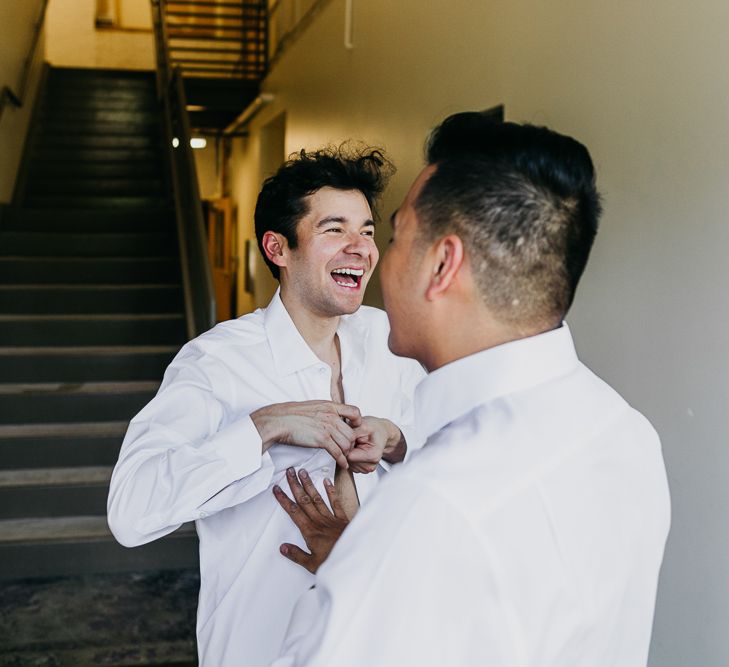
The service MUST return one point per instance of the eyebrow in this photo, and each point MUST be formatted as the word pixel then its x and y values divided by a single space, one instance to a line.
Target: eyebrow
pixel 338 218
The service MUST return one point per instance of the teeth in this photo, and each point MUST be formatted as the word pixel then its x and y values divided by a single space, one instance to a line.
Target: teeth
pixel 350 285
pixel 350 272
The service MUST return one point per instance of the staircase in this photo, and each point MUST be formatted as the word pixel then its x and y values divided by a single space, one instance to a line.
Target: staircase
pixel 220 48
pixel 91 312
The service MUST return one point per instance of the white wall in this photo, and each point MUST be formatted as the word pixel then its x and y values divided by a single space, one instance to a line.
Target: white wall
pixel 18 20
pixel 74 41
pixel 646 86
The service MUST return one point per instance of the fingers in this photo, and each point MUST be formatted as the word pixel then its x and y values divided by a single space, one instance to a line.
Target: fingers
pixel 298 556
pixel 363 468
pixel 337 454
pixel 343 435
pixel 349 412
pixel 310 490
pixel 333 496
pixel 367 455
pixel 306 495
pixel 298 516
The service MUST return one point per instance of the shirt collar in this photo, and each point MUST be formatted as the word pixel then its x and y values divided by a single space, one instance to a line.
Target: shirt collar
pixel 291 353
pixel 457 388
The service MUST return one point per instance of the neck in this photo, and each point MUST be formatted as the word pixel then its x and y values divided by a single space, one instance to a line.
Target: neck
pixel 481 334
pixel 318 331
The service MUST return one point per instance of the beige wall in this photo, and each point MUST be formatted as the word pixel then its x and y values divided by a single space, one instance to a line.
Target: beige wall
pixel 18 20
pixel 645 86
pixel 74 41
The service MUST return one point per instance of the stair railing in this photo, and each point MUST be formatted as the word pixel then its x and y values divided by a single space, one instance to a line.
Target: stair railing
pixel 17 98
pixel 197 279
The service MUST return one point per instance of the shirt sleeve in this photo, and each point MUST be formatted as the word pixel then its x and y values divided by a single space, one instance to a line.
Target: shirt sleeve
pixel 408 583
pixel 184 455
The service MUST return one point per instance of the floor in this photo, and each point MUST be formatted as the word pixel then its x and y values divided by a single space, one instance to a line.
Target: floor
pixel 113 619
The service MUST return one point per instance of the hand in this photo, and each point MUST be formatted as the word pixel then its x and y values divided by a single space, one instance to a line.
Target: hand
pixel 376 439
pixel 319 526
pixel 319 424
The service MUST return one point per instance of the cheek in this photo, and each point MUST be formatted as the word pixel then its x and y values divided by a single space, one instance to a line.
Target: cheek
pixel 375 256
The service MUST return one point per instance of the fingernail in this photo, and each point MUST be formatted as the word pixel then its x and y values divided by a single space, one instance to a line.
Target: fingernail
pixel 283 549
pixel 327 481
pixel 290 472
pixel 303 474
pixel 276 488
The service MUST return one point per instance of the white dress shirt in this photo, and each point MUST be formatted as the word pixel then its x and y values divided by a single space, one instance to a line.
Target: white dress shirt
pixel 528 531
pixel 193 453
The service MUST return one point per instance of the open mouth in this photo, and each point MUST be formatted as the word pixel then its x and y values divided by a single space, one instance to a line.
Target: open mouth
pixel 349 278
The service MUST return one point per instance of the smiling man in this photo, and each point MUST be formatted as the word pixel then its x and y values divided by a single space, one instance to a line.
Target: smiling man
pixel 308 381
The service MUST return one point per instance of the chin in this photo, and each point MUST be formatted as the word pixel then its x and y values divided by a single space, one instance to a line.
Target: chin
pixel 397 348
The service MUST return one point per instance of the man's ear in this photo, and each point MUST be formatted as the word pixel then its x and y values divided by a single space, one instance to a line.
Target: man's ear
pixel 447 261
pixel 274 246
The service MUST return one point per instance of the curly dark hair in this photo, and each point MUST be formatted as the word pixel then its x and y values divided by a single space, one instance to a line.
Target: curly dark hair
pixel 282 202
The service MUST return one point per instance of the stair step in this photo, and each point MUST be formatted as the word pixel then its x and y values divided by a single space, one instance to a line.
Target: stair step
pixel 73 127
pixel 87 201
pixel 67 171
pixel 78 444
pixel 77 476
pixel 93 155
pixel 93 116
pixel 78 299
pixel 33 403
pixel 82 545
pixel 85 364
pixel 131 244
pixel 50 492
pixel 77 330
pixel 111 101
pixel 94 141
pixel 65 185
pixel 58 93
pixel 87 75
pixel 89 269
pixel 85 220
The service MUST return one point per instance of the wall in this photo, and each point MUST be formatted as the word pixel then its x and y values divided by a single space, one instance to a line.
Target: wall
pixel 644 85
pixel 18 20
pixel 74 41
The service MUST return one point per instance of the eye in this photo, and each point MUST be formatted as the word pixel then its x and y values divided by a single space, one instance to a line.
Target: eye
pixel 334 229
pixel 368 232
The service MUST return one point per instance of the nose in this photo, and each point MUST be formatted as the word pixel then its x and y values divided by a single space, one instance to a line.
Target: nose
pixel 357 244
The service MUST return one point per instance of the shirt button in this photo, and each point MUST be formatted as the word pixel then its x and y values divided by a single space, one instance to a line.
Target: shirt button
pixel 322 369
pixel 202 515
pixel 325 471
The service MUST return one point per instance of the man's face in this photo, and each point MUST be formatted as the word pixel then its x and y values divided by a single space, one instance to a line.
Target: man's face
pixel 336 253
pixel 403 283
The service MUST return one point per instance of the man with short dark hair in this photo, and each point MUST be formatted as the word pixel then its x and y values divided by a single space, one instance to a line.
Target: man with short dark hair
pixel 529 530
pixel 307 381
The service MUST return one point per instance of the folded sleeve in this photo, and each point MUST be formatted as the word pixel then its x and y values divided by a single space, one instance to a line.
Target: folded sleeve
pixel 185 455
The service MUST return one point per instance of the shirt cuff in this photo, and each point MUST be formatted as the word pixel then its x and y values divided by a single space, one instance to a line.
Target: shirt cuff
pixel 239 445
pixel 412 439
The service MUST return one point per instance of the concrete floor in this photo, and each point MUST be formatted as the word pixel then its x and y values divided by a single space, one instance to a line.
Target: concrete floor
pixel 116 620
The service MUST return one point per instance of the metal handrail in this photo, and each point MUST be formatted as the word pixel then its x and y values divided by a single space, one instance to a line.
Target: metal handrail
pixel 197 279
pixel 7 94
